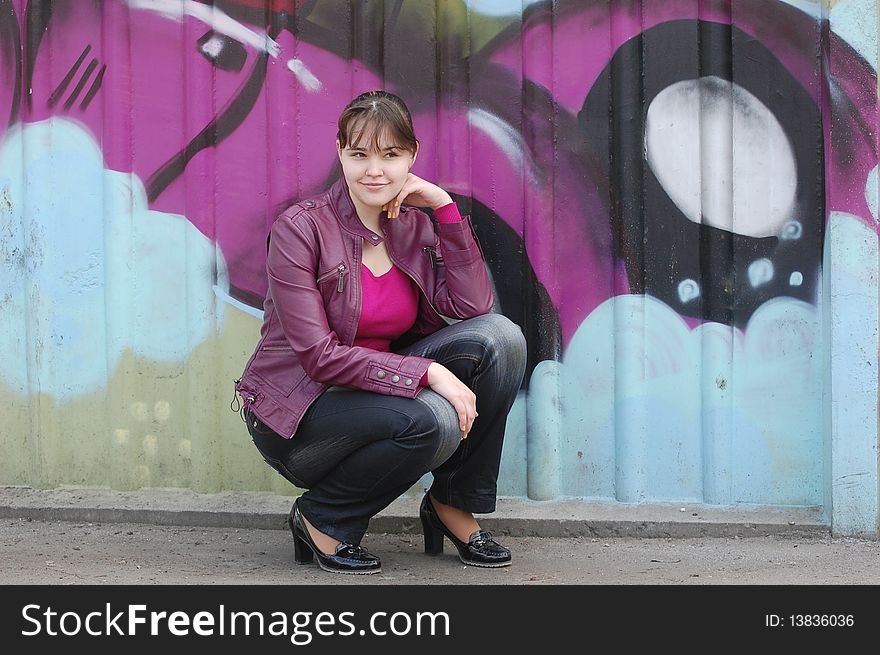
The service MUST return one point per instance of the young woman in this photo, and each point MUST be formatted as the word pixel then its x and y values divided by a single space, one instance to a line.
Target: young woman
pixel 358 386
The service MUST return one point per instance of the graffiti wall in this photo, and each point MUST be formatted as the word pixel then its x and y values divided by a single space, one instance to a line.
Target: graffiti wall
pixel 677 202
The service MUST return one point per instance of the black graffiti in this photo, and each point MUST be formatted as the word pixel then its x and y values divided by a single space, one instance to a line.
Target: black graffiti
pixel 660 247
pixel 10 47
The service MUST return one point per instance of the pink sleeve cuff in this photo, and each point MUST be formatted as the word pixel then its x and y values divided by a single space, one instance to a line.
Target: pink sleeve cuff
pixel 447 214
pixel 424 381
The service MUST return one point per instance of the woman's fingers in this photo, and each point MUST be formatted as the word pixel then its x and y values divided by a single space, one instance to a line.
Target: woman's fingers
pixel 417 192
pixel 463 418
pixel 459 395
pixel 470 412
pixel 393 206
pixel 465 407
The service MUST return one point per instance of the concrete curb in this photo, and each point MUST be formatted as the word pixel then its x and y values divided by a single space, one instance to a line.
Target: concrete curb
pixel 513 516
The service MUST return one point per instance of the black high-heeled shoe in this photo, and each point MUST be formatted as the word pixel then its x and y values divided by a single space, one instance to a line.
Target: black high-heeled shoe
pixel 480 550
pixel 348 558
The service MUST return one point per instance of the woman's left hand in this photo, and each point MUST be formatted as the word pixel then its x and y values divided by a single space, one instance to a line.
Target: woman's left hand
pixel 418 193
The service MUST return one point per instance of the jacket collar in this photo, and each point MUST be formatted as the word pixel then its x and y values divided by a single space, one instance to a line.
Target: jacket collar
pixel 347 215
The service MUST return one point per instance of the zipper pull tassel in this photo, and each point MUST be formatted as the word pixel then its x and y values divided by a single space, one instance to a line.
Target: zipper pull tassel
pixel 433 255
pixel 341 270
pixel 235 403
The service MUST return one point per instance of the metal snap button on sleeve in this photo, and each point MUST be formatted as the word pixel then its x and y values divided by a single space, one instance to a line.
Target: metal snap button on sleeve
pixel 380 374
pixel 395 378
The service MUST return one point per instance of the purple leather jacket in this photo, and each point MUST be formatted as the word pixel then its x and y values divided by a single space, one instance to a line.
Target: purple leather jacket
pixel 313 305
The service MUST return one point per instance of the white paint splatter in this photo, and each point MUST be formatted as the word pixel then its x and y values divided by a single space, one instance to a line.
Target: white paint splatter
pixel 722 156
pixel 688 290
pixel 304 75
pixel 216 19
pixel 760 272
pixel 213 47
pixel 792 231
pixel 796 279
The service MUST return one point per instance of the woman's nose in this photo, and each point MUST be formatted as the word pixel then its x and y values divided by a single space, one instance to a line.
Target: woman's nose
pixel 374 167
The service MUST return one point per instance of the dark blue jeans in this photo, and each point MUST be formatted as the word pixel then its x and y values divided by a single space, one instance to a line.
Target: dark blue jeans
pixel 356 451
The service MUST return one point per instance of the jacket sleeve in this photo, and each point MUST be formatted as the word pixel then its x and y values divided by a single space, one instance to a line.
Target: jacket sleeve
pixel 292 270
pixel 462 289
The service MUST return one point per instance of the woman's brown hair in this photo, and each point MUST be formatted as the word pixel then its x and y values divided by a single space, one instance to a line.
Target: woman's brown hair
pixel 375 114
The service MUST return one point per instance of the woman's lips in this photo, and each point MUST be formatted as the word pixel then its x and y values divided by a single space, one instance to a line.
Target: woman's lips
pixel 375 187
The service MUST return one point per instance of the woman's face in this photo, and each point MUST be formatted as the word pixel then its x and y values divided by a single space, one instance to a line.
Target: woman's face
pixel 374 175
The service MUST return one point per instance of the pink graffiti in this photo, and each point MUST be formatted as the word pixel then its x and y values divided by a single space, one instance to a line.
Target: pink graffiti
pixel 228 147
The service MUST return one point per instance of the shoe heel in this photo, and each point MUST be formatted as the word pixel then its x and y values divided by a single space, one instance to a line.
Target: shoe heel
pixel 302 553
pixel 433 538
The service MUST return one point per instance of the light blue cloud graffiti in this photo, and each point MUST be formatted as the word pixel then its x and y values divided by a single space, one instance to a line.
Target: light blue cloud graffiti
pixel 646 401
pixel 499 7
pixel 86 270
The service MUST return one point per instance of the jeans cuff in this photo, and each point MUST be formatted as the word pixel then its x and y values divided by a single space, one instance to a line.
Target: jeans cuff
pixel 331 528
pixel 468 503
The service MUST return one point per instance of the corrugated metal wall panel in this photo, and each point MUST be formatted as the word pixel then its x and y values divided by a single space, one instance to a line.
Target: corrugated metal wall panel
pixel 677 201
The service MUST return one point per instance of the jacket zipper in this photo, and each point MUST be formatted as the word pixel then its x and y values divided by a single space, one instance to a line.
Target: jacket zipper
pixel 276 348
pixel 340 271
pixel 412 277
pixel 433 253
pixel 358 260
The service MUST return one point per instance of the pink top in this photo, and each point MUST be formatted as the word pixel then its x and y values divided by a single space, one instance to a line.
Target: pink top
pixel 390 305
pixel 390 302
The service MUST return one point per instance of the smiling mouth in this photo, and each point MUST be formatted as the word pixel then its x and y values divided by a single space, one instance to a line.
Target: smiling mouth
pixel 375 187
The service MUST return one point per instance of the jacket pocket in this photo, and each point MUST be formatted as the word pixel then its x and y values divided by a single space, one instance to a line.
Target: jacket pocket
pixel 277 366
pixel 338 272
